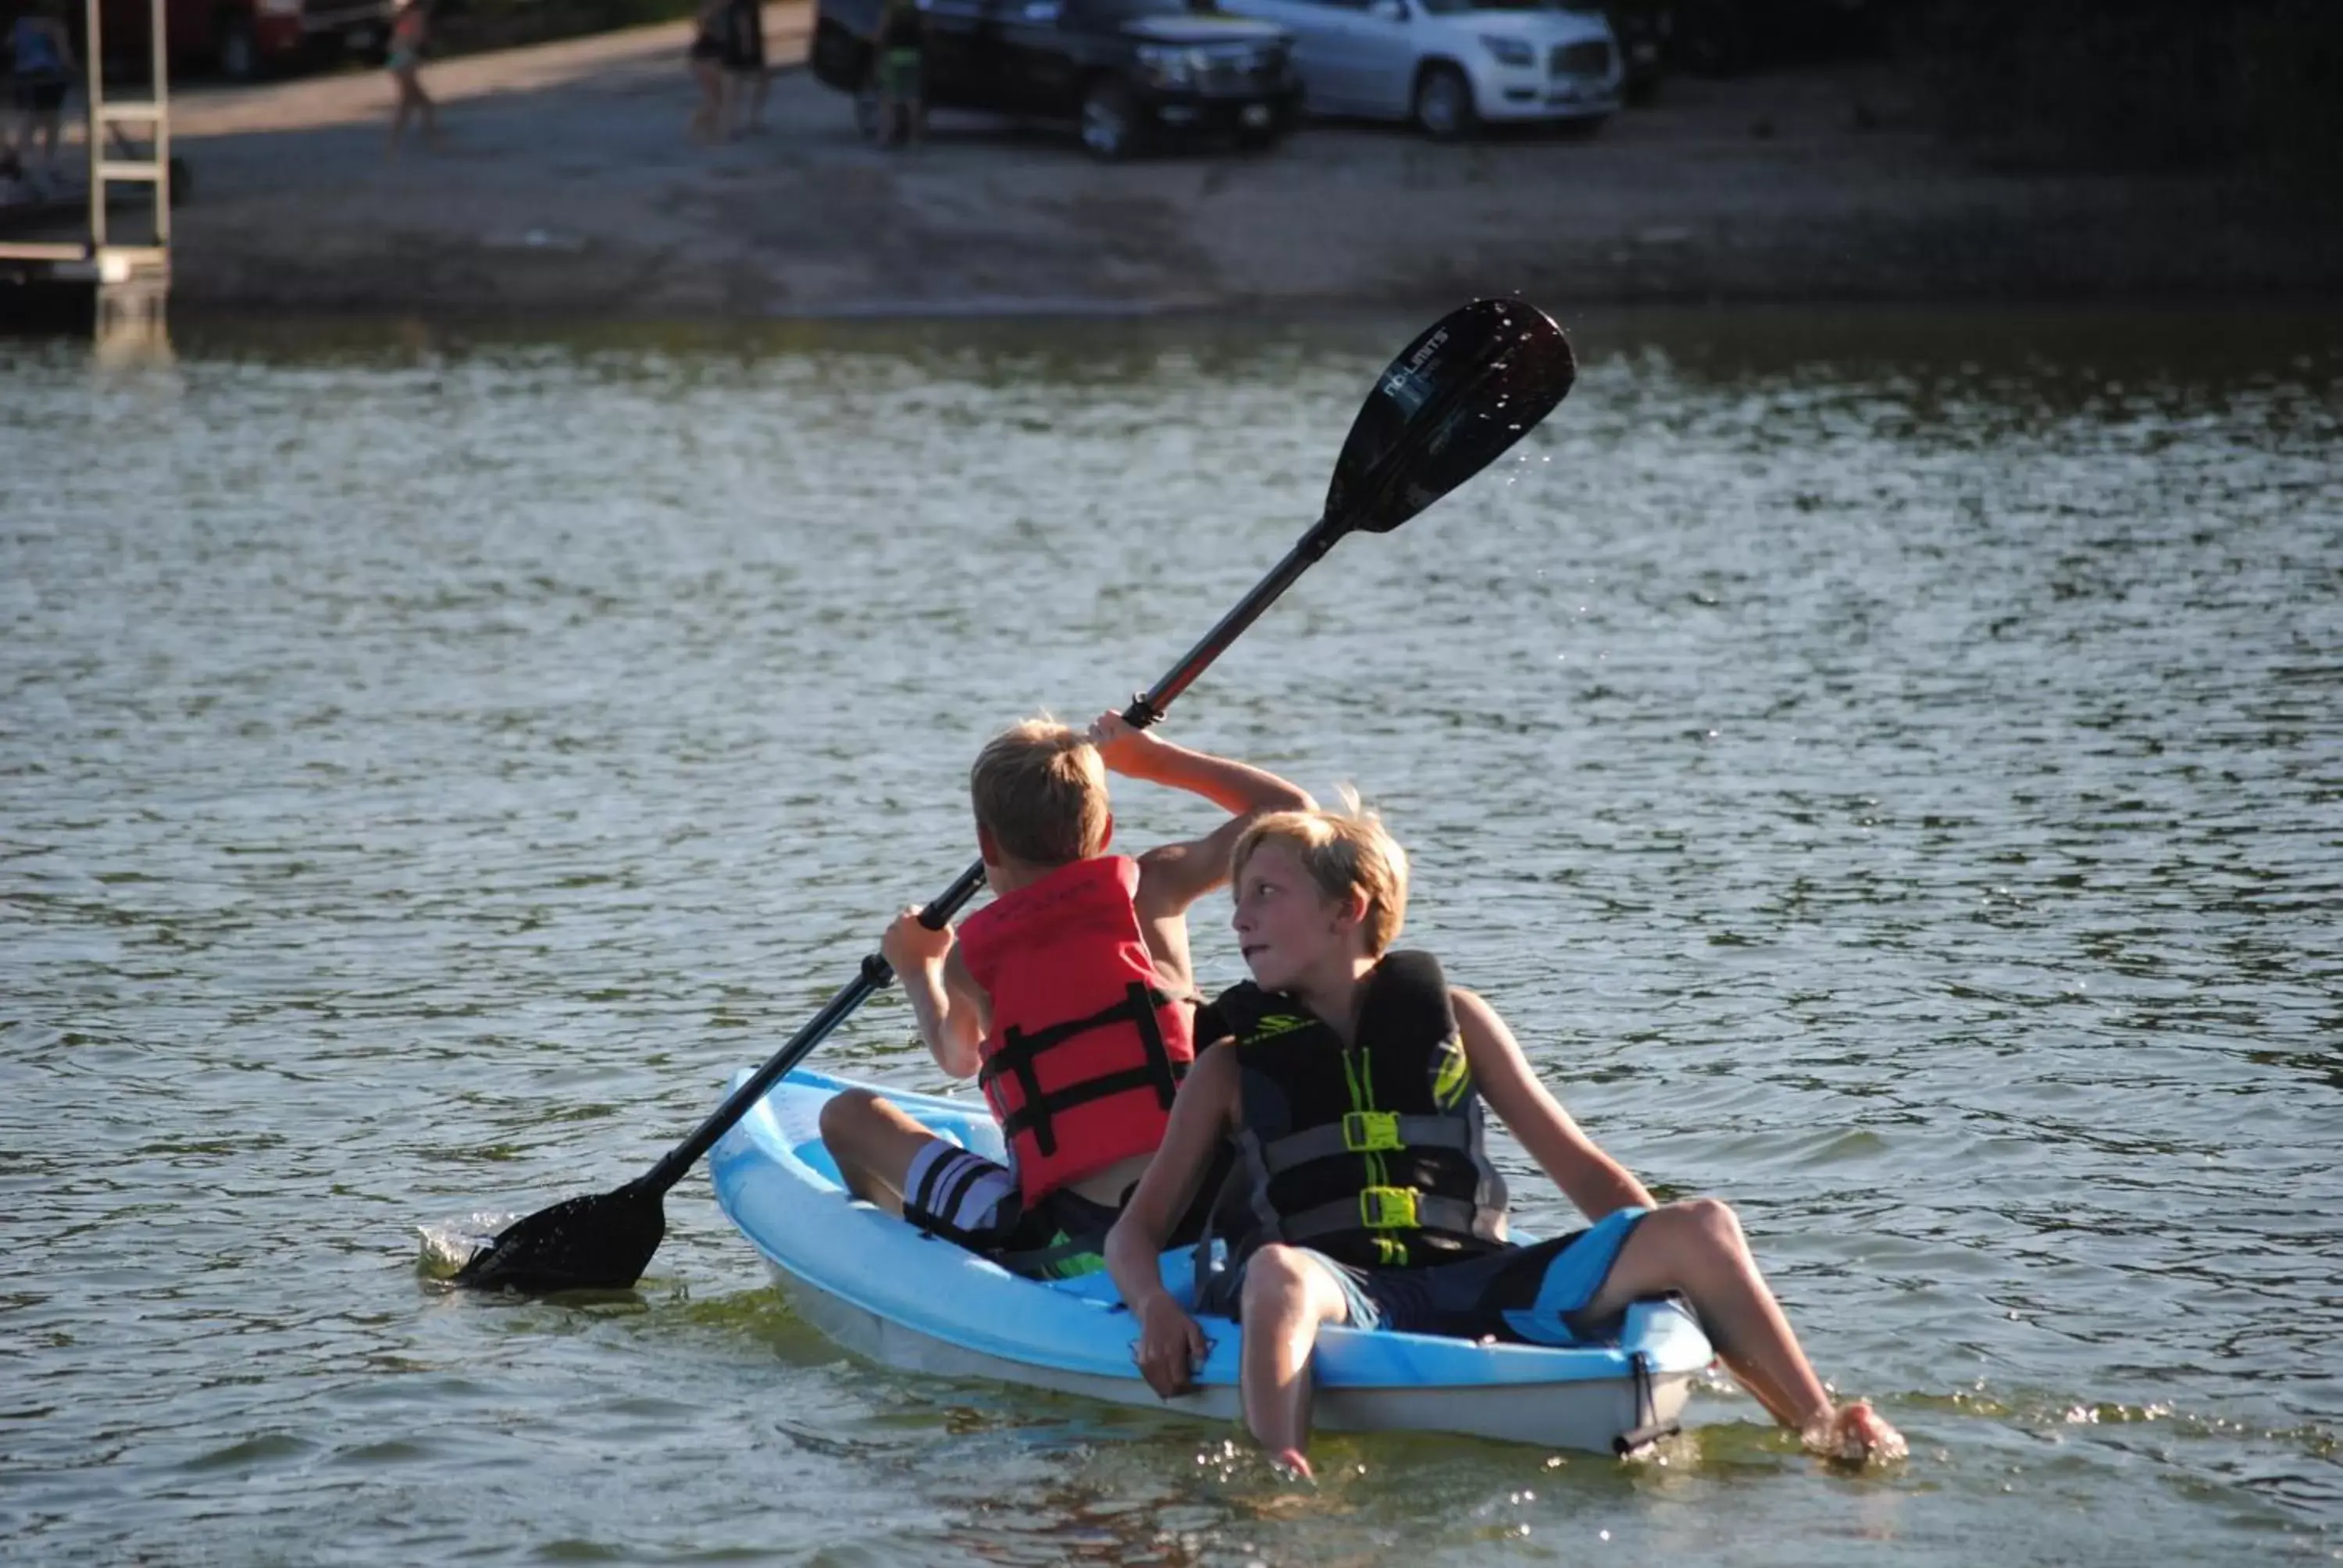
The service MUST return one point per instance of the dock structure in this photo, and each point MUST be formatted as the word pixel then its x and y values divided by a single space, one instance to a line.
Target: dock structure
pixel 80 264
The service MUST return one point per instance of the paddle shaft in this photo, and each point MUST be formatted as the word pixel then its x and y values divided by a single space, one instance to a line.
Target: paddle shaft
pixel 877 972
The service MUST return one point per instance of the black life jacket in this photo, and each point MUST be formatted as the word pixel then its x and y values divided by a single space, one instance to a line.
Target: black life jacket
pixel 1375 1155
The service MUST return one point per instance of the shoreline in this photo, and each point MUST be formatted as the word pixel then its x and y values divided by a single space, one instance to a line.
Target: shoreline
pixel 1925 312
pixel 566 188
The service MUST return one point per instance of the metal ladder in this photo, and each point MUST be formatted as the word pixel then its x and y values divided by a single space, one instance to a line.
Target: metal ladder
pixel 115 262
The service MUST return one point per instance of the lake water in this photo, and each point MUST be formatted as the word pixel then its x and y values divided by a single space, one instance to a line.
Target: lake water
pixel 1888 768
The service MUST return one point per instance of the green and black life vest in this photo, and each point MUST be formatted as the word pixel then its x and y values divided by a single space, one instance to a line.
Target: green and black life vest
pixel 1372 1153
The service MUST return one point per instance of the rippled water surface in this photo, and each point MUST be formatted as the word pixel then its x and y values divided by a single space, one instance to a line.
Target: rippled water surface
pixel 1890 771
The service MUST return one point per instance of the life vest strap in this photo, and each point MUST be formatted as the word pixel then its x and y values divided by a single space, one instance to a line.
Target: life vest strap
pixel 1365 1132
pixel 1382 1209
pixel 1035 1113
pixel 1035 1110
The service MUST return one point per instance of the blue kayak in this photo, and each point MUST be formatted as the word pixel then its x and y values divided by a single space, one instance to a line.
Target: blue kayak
pixel 888 1291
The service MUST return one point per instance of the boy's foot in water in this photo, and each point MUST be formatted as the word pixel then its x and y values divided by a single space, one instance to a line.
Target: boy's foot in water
pixel 1856 1434
pixel 1289 1462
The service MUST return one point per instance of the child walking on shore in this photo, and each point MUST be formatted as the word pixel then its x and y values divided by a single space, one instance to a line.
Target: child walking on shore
pixel 901 54
pixel 411 30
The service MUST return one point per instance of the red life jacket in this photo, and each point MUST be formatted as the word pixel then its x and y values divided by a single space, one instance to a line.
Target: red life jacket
pixel 1087 1049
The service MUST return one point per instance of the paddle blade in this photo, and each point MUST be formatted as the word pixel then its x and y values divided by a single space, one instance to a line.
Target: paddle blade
pixel 599 1243
pixel 1469 388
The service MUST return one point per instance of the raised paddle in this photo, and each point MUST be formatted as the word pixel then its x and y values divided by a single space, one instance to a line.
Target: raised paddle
pixel 1465 390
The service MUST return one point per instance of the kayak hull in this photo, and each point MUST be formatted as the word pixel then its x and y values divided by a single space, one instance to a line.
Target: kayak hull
pixel 885 1291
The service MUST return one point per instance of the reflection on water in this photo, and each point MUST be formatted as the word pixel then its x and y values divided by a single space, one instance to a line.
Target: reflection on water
pixel 1884 765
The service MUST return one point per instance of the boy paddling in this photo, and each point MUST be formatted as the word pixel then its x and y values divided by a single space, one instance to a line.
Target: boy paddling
pixel 1070 998
pixel 1353 1085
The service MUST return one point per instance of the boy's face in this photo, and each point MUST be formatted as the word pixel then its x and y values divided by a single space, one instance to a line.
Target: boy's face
pixel 1286 926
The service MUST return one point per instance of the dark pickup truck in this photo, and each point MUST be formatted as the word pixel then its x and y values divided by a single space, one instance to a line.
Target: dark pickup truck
pixel 1125 72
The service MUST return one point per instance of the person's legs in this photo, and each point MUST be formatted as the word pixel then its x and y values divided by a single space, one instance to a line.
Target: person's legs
pixel 1697 1249
pixel 707 120
pixel 874 1141
pixel 752 85
pixel 15 133
pixel 425 103
pixel 882 126
pixel 1288 1295
pixel 412 102
pixel 48 121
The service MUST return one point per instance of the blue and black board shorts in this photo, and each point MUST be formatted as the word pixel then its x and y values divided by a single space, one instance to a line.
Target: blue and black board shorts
pixel 1534 1294
pixel 974 1201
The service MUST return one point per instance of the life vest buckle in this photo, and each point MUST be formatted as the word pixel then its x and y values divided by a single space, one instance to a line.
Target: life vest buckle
pixel 1388 1209
pixel 1369 1131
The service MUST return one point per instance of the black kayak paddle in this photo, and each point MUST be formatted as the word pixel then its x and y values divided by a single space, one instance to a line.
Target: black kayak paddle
pixel 1465 390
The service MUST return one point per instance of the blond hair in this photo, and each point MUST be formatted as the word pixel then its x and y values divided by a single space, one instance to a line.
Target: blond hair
pixel 1039 790
pixel 1345 852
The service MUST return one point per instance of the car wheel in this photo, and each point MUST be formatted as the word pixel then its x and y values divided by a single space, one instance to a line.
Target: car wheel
pixel 1444 105
pixel 239 59
pixel 1109 120
pixel 1263 138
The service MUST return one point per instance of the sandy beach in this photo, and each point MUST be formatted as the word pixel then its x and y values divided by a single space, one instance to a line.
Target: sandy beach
pixel 566 184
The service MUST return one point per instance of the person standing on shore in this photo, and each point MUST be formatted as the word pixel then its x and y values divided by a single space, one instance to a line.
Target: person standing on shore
pixel 744 62
pixel 902 45
pixel 43 51
pixel 710 52
pixel 411 30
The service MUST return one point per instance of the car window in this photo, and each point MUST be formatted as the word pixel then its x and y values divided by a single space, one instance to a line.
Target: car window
pixel 1455 7
pixel 1110 12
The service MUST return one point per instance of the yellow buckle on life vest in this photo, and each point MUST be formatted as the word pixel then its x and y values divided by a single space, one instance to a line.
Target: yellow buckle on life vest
pixel 1366 1131
pixel 1387 1208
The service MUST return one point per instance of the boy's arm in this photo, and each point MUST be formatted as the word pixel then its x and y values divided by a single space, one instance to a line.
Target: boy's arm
pixel 1589 1178
pixel 1169 1343
pixel 952 1008
pixel 1177 875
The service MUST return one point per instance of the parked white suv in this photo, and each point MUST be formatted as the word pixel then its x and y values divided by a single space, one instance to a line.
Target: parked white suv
pixel 1451 64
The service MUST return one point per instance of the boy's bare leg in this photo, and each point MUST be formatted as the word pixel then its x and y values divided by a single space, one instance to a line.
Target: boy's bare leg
pixel 1698 1248
pixel 873 1140
pixel 1287 1297
pixel 413 103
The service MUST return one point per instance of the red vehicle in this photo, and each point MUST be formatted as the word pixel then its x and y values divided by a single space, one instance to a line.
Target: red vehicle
pixel 242 40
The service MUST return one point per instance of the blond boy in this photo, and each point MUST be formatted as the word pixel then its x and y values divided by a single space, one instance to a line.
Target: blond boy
pixel 1070 997
pixel 1355 1083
